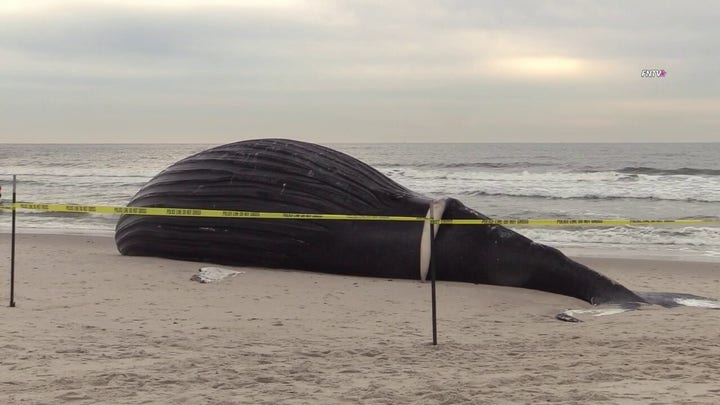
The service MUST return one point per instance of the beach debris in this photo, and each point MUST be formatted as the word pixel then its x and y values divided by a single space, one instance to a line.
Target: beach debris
pixel 567 318
pixel 213 274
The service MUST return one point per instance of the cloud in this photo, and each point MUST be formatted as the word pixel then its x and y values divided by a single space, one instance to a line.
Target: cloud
pixel 411 69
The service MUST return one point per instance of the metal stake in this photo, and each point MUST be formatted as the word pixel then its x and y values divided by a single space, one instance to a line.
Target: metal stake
pixel 12 249
pixel 432 282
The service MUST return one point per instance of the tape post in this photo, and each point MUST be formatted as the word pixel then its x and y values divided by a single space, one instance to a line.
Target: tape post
pixel 212 213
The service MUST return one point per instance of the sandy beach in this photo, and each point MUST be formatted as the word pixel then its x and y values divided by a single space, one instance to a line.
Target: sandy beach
pixel 92 326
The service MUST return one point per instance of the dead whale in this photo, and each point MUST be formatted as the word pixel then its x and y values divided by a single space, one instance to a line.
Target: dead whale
pixel 281 175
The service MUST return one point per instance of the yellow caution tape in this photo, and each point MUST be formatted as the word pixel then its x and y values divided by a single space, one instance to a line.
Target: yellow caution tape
pixel 195 212
pixel 209 213
pixel 577 222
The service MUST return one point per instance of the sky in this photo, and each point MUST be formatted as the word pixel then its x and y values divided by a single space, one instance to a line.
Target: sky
pixel 214 71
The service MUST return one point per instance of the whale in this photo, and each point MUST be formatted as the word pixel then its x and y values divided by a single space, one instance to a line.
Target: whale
pixel 290 176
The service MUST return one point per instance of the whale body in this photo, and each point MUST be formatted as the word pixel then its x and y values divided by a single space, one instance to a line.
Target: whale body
pixel 281 175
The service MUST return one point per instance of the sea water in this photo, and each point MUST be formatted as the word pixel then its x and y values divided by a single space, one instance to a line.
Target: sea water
pixel 519 181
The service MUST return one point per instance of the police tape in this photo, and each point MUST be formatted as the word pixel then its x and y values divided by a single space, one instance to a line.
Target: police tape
pixel 212 213
pixel 197 212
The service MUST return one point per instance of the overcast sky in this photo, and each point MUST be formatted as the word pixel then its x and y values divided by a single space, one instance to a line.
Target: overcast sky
pixel 213 71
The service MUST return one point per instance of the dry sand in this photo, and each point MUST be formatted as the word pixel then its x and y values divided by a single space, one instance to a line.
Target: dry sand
pixel 92 326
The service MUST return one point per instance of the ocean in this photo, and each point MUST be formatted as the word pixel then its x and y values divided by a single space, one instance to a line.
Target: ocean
pixel 521 181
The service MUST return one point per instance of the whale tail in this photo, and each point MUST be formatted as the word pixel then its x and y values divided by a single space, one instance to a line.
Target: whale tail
pixel 663 299
pixel 671 300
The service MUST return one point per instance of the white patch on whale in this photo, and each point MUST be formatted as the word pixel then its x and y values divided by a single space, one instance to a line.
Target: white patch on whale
pixel 435 211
